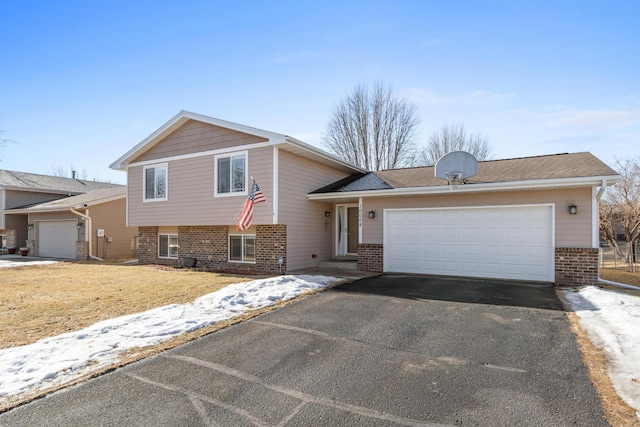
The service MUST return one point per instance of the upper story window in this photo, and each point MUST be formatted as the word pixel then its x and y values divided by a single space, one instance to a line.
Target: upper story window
pixel 231 174
pixel 155 182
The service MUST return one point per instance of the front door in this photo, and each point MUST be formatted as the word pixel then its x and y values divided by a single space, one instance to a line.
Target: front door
pixel 347 230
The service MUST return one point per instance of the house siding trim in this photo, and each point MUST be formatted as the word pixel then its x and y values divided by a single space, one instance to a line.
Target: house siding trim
pixel 275 184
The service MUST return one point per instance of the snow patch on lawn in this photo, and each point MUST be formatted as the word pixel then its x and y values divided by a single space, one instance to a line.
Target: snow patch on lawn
pixel 612 320
pixel 63 358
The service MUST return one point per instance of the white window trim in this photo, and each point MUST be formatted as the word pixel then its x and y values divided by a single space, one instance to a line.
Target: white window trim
pixel 244 153
pixel 243 236
pixel 169 237
pixel 166 184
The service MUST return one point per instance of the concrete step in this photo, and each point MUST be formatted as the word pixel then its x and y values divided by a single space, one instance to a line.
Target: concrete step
pixel 350 265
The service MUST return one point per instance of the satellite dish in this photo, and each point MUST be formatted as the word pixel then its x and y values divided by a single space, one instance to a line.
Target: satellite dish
pixel 455 167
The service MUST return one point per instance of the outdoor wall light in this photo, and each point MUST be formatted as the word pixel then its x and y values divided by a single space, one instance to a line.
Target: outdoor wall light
pixel 573 209
pixel 327 214
pixel 372 214
pixel 80 224
pixel 29 226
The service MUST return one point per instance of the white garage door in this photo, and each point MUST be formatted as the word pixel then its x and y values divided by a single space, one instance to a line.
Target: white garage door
pixel 57 239
pixel 514 242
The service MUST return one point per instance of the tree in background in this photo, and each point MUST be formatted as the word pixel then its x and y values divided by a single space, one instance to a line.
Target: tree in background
pixel 620 209
pixel 454 138
pixel 3 141
pixel 374 129
pixel 61 172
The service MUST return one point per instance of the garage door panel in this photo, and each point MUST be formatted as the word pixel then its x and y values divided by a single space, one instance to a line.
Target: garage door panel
pixel 512 242
pixel 57 239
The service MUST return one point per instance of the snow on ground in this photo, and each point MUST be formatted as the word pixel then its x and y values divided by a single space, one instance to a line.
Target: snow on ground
pixel 7 262
pixel 63 358
pixel 612 320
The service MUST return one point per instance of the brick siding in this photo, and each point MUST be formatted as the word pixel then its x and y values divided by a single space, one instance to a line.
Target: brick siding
pixel 576 266
pixel 209 246
pixel 370 257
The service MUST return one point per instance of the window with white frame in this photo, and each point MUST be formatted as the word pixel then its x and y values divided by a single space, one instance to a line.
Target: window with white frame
pixel 155 182
pixel 242 248
pixel 231 174
pixel 168 246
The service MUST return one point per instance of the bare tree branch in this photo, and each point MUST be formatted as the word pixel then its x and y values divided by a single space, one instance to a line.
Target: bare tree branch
pixel 373 129
pixel 620 208
pixel 454 138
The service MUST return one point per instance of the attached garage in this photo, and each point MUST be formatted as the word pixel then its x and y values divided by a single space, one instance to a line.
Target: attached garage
pixel 57 239
pixel 503 242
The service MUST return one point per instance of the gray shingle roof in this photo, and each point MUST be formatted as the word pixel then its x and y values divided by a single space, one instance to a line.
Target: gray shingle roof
pixel 91 198
pixel 47 183
pixel 555 166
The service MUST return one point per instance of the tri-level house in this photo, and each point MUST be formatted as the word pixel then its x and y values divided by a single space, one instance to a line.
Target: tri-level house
pixel 530 218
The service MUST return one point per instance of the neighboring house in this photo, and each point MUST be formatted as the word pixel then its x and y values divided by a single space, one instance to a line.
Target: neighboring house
pixel 36 212
pixel 189 180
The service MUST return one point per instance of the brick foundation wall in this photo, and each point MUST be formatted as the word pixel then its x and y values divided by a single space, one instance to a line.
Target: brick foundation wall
pixel 576 266
pixel 148 248
pixel 370 257
pixel 209 246
pixel 271 244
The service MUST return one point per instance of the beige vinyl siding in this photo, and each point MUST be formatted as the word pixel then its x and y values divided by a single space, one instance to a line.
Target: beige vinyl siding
pixel 570 230
pixel 110 217
pixel 308 230
pixel 190 191
pixel 15 198
pixel 195 137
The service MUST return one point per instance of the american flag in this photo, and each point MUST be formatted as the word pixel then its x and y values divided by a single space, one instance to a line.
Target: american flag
pixel 255 196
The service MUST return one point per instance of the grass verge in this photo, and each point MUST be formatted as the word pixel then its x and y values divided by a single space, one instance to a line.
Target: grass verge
pixel 43 301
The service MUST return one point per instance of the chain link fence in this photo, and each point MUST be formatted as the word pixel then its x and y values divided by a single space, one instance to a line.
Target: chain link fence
pixel 622 259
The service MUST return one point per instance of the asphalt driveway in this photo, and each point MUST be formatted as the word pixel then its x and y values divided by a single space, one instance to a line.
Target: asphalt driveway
pixel 382 351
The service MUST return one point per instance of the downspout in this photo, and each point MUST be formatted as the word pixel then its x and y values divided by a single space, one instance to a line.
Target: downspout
pixel 603 186
pixel 87 219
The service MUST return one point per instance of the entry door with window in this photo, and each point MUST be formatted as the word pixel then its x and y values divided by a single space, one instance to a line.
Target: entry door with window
pixel 347 227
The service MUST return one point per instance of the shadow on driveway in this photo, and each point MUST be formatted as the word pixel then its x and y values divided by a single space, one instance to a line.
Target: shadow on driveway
pixel 459 289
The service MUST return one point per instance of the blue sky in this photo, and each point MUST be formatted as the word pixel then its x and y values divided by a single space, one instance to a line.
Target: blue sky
pixel 81 82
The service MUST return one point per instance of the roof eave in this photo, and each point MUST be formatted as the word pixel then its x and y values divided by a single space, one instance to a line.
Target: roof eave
pixel 90 203
pixel 591 181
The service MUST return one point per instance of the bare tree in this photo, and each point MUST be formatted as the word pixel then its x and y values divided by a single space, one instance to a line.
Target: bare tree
pixel 3 142
pixel 454 138
pixel 620 209
pixel 61 172
pixel 373 129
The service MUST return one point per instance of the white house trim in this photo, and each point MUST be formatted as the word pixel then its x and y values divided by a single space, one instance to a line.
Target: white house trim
pixel 468 188
pixel 275 183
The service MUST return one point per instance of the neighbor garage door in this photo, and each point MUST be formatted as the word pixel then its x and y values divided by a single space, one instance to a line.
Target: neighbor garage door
pixel 57 239
pixel 514 242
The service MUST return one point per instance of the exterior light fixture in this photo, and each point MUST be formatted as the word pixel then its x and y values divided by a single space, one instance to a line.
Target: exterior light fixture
pixel 80 224
pixel 30 226
pixel 327 214
pixel 372 214
pixel 573 209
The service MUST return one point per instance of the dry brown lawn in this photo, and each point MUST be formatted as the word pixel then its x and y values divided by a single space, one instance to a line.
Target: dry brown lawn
pixel 43 301
pixel 620 276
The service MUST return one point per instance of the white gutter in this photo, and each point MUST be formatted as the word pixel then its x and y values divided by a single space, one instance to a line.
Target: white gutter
pixel 603 187
pixel 467 188
pixel 88 223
